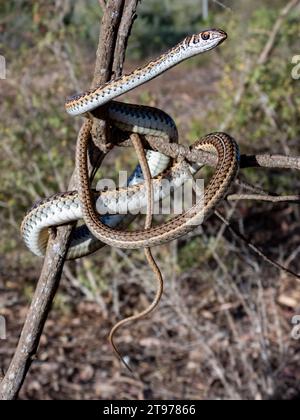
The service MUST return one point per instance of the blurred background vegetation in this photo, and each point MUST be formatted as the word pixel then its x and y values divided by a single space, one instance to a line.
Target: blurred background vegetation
pixel 223 328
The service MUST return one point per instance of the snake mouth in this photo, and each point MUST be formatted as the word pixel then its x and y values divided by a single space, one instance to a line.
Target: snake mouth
pixel 223 36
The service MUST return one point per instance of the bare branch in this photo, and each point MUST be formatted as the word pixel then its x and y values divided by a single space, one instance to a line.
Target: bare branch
pixel 107 41
pixel 128 18
pixel 103 71
pixel 270 161
pixel 176 151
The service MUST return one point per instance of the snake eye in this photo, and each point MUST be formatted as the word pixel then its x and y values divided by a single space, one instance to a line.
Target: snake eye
pixel 205 36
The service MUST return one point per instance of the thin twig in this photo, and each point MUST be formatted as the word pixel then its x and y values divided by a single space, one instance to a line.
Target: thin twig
pixel 224 6
pixel 255 249
pixel 263 197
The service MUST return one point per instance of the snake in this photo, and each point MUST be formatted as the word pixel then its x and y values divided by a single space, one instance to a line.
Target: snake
pixel 66 207
pixel 71 206
pixel 221 144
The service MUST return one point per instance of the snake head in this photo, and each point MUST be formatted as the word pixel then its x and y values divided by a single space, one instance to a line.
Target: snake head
pixel 205 40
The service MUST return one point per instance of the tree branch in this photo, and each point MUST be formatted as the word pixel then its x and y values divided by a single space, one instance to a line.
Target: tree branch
pixel 128 18
pixel 176 151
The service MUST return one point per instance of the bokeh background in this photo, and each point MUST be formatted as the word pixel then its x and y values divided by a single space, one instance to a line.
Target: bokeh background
pixel 223 327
